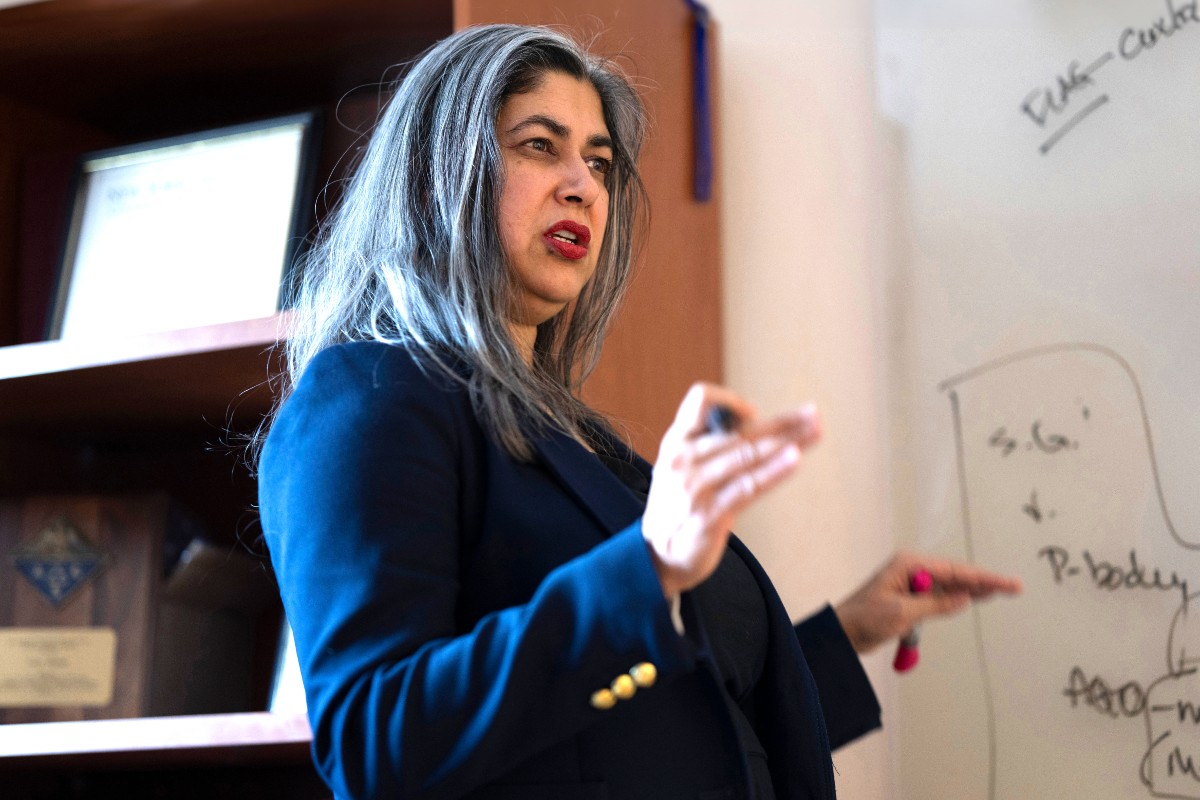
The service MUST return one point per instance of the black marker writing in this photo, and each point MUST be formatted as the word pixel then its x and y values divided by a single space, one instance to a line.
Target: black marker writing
pixel 1032 509
pixel 1135 41
pixel 1184 765
pixel 1188 712
pixel 1108 576
pixel 1002 440
pixel 1052 102
pixel 1128 700
pixel 1044 102
pixel 1049 443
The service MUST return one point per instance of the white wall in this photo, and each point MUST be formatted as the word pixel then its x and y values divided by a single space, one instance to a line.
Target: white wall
pixel 800 175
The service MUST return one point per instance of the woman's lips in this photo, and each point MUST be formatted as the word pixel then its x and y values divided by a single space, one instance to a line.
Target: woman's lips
pixel 569 239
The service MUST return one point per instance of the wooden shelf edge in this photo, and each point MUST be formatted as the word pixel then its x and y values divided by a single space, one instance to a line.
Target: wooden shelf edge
pixel 45 358
pixel 151 736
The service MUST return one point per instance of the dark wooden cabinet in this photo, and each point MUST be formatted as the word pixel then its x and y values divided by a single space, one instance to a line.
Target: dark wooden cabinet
pixel 163 412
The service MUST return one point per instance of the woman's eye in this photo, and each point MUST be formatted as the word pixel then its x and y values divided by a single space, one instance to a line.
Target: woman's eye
pixel 540 145
pixel 600 165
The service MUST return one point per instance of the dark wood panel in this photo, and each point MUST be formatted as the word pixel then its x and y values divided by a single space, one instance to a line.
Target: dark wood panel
pixel 122 62
pixel 208 477
pixel 23 131
pixel 195 781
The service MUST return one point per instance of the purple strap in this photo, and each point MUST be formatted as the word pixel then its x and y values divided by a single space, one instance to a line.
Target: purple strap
pixel 702 169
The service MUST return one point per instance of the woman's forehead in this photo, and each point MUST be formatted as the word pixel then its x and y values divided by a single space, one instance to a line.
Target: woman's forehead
pixel 569 107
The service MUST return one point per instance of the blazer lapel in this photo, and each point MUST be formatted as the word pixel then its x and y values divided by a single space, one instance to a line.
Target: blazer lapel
pixel 591 483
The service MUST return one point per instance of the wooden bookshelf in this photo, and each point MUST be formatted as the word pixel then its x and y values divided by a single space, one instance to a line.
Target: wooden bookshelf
pixel 157 380
pixel 190 757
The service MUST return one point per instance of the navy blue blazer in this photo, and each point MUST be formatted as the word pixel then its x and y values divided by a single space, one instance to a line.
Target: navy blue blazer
pixel 454 611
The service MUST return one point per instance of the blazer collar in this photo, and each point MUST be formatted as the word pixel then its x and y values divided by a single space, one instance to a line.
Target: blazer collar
pixel 590 482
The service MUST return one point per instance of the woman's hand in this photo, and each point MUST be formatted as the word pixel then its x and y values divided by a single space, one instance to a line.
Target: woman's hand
pixel 884 607
pixel 703 479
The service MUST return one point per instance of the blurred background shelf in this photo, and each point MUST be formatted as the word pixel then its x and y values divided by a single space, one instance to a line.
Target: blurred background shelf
pixel 177 378
pixel 231 739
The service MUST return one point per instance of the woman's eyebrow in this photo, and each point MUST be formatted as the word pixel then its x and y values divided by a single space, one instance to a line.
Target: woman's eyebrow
pixel 558 129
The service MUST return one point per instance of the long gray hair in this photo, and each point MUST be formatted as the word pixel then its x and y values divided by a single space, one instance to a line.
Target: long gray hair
pixel 412 254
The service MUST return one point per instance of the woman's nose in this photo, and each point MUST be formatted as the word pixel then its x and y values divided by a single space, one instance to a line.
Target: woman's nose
pixel 579 184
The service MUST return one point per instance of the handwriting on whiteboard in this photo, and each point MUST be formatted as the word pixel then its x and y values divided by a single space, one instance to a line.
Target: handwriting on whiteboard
pixel 1056 106
pixel 1059 482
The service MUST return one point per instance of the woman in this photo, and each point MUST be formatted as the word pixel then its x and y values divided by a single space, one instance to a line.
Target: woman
pixel 489 596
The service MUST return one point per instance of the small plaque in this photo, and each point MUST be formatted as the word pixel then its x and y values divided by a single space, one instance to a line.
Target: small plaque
pixel 58 560
pixel 50 667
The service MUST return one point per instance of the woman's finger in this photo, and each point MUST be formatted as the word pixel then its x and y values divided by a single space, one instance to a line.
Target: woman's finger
pixel 801 425
pixel 956 576
pixel 739 457
pixel 741 488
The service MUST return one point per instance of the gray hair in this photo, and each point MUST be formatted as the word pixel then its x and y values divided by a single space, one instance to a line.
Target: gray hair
pixel 412 254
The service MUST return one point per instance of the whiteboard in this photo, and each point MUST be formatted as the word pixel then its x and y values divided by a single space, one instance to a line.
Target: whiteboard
pixel 1045 348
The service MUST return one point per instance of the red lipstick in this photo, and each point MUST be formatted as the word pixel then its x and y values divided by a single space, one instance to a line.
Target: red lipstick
pixel 569 239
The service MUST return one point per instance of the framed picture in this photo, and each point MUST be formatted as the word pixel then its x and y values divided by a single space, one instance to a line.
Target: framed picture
pixel 184 232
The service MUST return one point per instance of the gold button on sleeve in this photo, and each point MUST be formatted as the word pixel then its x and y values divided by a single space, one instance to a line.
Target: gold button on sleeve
pixel 624 687
pixel 644 674
pixel 603 699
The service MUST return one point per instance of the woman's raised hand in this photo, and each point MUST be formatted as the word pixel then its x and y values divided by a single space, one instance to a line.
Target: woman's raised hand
pixel 884 607
pixel 703 479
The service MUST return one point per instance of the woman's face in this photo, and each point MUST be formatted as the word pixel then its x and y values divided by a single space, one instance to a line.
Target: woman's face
pixel 554 204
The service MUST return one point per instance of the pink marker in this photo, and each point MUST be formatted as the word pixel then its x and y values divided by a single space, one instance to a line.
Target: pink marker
pixel 907 653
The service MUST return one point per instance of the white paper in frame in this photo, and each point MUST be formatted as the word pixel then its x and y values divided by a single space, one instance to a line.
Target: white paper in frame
pixel 185 232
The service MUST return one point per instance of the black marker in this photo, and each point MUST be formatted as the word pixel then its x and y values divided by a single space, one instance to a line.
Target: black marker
pixel 720 418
